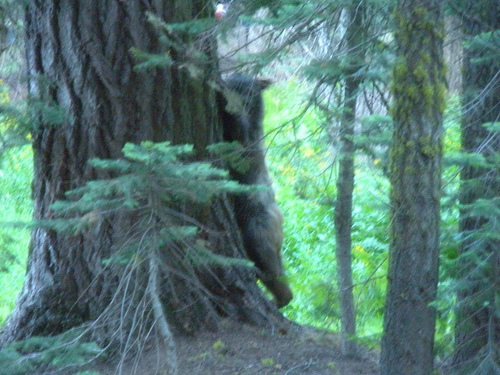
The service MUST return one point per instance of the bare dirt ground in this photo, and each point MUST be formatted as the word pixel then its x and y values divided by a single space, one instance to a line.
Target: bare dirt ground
pixel 245 350
pixel 236 349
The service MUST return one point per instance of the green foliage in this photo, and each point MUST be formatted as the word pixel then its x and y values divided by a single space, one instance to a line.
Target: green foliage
pixel 231 153
pixel 485 47
pixel 449 241
pixel 14 129
pixel 16 170
pixel 149 169
pixel 11 36
pixel 477 261
pixel 302 163
pixel 149 183
pixel 37 354
pixel 16 167
pixel 150 60
pixel 177 40
pixel 16 207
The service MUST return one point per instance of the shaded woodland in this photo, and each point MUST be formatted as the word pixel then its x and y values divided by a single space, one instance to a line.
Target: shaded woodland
pixel 173 172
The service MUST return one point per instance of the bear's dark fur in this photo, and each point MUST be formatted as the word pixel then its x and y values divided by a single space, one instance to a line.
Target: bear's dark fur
pixel 259 217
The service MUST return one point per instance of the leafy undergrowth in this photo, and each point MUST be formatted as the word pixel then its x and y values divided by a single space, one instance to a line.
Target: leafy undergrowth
pixel 237 349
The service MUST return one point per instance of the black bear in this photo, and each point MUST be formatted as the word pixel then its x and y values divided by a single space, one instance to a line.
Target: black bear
pixel 259 218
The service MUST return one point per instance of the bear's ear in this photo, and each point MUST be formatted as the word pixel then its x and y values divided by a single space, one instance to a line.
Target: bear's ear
pixel 264 83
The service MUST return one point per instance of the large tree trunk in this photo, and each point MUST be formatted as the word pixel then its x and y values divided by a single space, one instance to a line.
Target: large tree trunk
pixel 418 89
pixel 476 319
pixel 90 101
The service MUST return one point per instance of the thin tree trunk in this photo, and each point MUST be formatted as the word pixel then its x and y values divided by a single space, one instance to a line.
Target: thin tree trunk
pixel 418 91
pixel 345 185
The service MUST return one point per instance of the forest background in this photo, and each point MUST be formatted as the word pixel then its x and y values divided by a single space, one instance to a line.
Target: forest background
pixel 310 61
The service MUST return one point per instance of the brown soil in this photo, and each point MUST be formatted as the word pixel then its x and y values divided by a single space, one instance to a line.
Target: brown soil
pixel 237 349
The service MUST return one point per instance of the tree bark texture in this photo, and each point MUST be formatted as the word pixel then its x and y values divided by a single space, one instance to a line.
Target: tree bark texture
pixel 476 318
pixel 345 183
pixel 91 101
pixel 418 92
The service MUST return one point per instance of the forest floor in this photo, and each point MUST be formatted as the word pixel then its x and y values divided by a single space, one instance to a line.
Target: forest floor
pixel 237 349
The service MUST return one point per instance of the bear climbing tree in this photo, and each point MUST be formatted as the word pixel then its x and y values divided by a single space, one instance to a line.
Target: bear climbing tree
pixel 88 73
pixel 259 218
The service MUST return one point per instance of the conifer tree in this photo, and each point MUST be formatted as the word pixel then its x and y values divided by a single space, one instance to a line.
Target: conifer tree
pixel 477 325
pixel 103 75
pixel 355 38
pixel 415 174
